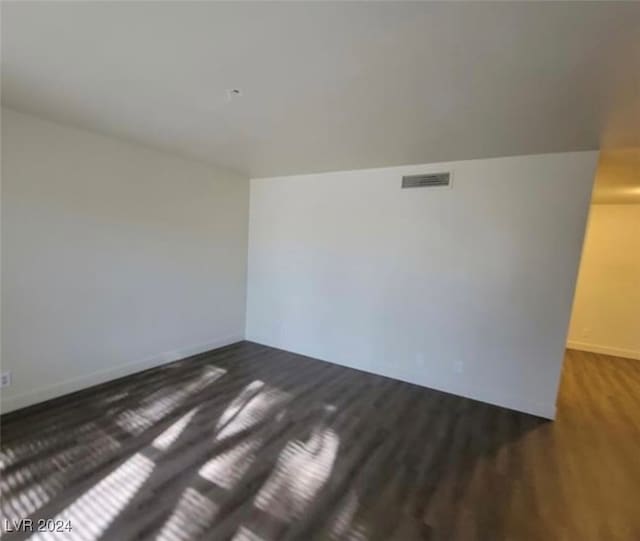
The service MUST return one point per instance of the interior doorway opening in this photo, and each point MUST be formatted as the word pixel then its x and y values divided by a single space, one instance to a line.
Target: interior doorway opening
pixel 605 318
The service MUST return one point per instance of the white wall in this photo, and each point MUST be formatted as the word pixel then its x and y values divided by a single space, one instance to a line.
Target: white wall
pixel 115 257
pixel 468 289
pixel 606 310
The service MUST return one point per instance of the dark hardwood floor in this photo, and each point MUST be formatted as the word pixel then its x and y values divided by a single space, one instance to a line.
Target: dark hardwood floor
pixel 253 443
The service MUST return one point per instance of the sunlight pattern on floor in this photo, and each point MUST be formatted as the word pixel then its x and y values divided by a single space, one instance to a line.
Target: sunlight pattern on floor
pixel 194 510
pixel 190 518
pixel 46 476
pixel 247 410
pixel 101 504
pixel 239 402
pixel 245 534
pixel 159 404
pixel 342 525
pixel 301 471
pixel 259 455
pixel 27 490
pixel 225 469
pixel 169 436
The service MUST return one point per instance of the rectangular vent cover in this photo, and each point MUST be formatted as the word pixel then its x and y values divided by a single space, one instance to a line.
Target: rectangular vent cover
pixel 426 181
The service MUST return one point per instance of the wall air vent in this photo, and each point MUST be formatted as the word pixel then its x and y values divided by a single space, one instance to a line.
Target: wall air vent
pixel 426 181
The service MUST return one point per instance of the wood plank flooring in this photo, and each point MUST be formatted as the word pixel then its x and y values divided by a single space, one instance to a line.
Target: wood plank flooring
pixel 252 443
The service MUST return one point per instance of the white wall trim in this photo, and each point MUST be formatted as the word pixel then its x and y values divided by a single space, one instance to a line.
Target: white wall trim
pixel 102 376
pixel 489 396
pixel 605 350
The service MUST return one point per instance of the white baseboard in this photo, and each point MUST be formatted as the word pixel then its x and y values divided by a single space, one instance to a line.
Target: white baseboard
pixel 82 382
pixel 489 396
pixel 605 350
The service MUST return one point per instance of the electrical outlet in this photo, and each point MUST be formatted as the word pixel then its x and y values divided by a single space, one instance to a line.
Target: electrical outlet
pixel 5 379
pixel 458 367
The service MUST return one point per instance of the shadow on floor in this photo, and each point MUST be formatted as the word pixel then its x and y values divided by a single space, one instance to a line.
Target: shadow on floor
pixel 249 442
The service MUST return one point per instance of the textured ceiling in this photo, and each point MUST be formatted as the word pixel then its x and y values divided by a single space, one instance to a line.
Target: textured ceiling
pixel 330 86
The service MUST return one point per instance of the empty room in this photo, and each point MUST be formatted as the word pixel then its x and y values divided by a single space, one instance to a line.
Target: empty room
pixel 320 270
